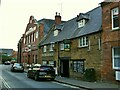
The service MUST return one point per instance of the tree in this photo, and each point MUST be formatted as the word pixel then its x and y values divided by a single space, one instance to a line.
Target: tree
pixel 5 58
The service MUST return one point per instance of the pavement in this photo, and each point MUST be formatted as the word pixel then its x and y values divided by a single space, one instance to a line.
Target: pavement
pixel 87 85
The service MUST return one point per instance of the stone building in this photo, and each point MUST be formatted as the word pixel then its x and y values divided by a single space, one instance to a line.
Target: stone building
pixel 75 45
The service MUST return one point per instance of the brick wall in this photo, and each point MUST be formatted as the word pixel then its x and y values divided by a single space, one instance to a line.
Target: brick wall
pixel 110 38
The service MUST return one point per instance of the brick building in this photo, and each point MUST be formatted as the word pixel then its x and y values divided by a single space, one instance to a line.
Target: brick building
pixel 28 44
pixel 111 41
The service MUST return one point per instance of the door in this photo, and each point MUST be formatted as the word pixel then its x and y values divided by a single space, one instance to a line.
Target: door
pixel 64 68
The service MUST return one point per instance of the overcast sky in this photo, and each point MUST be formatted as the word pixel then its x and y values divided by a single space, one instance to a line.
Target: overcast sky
pixel 14 15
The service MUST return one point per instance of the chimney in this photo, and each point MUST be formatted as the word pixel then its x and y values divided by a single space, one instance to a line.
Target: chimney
pixel 57 18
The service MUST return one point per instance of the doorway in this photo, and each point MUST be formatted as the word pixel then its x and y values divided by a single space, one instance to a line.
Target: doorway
pixel 64 68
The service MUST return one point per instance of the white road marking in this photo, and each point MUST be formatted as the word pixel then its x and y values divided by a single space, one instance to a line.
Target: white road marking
pixel 6 84
pixel 66 85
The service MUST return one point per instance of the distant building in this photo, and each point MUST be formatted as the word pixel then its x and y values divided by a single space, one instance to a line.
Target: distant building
pixel 7 52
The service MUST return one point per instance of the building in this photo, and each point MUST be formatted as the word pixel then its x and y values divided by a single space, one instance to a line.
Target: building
pixel 35 31
pixel 75 45
pixel 111 41
pixel 6 51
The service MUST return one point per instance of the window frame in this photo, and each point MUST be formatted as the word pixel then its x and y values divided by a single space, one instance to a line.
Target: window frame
pixel 113 17
pixel 83 41
pixel 81 23
pixel 44 48
pixel 62 46
pixel 78 66
pixel 113 58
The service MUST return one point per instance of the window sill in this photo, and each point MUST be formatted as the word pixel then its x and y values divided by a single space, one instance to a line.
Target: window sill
pixel 115 29
pixel 83 46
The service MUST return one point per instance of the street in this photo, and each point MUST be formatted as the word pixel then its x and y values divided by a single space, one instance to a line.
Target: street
pixel 13 80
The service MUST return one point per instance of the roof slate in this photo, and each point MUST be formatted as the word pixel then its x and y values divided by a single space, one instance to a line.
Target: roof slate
pixel 70 28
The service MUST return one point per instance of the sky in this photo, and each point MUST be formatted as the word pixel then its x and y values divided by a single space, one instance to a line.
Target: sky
pixel 14 15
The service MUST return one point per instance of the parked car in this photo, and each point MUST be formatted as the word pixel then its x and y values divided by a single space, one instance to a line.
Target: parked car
pixel 7 62
pixel 41 72
pixel 17 67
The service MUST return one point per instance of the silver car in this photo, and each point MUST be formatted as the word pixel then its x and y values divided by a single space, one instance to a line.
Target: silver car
pixel 17 67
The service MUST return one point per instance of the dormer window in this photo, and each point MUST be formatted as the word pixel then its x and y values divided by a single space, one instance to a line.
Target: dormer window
pixel 56 32
pixel 81 23
pixel 82 19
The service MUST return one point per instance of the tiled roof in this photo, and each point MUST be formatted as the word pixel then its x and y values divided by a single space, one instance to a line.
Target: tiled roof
pixel 70 28
pixel 47 24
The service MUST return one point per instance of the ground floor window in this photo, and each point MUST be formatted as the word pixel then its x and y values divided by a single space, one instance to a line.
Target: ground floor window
pixel 78 66
pixel 116 57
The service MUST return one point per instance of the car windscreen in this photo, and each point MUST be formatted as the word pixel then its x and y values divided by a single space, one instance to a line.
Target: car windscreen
pixel 46 67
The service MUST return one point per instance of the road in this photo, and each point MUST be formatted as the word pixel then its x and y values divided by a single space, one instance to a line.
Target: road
pixel 19 80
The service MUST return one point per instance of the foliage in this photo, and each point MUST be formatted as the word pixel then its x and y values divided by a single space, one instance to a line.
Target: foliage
pixel 5 58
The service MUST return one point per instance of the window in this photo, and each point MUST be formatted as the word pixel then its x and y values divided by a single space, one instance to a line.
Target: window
pixel 83 41
pixel 45 49
pixel 115 18
pixel 51 47
pixel 44 62
pixel 78 66
pixel 81 23
pixel 51 62
pixel 116 57
pixel 56 32
pixel 99 43
pixel 61 46
pixel 36 34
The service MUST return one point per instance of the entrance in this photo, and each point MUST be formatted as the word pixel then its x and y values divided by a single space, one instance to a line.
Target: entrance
pixel 64 68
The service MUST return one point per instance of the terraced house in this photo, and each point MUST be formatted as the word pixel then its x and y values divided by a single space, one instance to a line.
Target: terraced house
pixel 111 41
pixel 75 45
pixel 89 41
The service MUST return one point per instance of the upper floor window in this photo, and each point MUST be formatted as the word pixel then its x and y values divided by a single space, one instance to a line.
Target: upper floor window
pixel 61 46
pixel 83 41
pixel 45 49
pixel 56 32
pixel 51 47
pixel 115 18
pixel 81 23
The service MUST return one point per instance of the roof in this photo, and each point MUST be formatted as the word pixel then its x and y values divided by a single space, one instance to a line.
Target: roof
pixel 70 28
pixel 93 25
pixel 47 24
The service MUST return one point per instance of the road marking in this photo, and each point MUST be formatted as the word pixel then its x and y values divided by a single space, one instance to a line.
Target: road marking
pixel 66 85
pixel 6 84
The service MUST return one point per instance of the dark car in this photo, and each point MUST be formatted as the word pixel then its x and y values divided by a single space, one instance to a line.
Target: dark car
pixel 7 62
pixel 41 72
pixel 17 67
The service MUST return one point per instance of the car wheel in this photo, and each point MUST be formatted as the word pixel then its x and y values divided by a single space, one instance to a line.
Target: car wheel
pixel 36 77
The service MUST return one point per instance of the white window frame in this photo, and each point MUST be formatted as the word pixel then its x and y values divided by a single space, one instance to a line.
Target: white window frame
pixel 45 48
pixel 51 47
pixel 81 23
pixel 56 32
pixel 115 56
pixel 61 46
pixel 114 11
pixel 44 62
pixel 83 41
